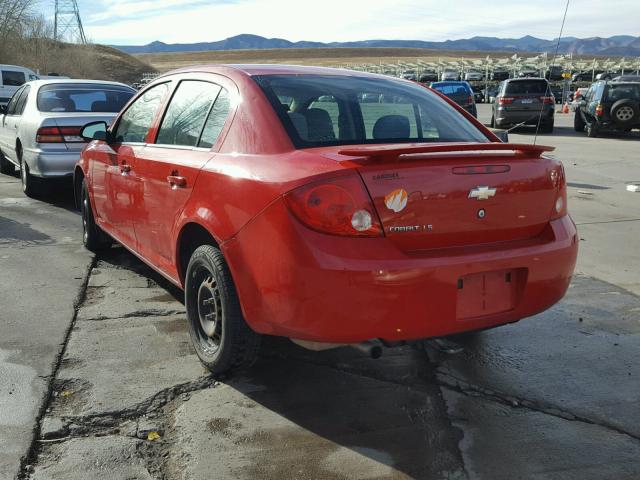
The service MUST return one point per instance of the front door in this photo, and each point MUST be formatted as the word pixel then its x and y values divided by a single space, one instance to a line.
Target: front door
pixel 169 167
pixel 118 192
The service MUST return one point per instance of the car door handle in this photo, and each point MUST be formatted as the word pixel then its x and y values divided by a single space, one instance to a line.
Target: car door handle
pixel 176 181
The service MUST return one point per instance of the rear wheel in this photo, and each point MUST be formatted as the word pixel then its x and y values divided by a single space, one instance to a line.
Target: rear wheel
pixel 93 237
pixel 30 184
pixel 578 122
pixel 547 127
pixel 493 121
pixel 220 335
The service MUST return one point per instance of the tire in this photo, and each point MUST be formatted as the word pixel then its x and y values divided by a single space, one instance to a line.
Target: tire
pixel 547 127
pixel 93 237
pixel 592 130
pixel 493 121
pixel 219 333
pixel 578 122
pixel 6 167
pixel 625 112
pixel 31 186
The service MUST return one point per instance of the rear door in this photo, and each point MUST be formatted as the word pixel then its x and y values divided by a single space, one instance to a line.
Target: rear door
pixel 168 168
pixel 11 122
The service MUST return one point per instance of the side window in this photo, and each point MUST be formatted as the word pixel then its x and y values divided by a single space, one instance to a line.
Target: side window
pixel 186 114
pixel 11 106
pixel 215 121
pixel 12 78
pixel 22 101
pixel 136 121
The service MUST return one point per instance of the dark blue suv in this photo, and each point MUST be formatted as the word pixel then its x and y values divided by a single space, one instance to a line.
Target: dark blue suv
pixel 459 92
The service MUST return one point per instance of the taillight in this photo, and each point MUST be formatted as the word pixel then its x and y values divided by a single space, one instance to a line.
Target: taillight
pixel 340 206
pixel 505 100
pixel 548 100
pixel 59 135
pixel 560 182
pixel 599 110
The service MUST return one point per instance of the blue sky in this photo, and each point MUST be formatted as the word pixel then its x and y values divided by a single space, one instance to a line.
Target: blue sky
pixel 124 22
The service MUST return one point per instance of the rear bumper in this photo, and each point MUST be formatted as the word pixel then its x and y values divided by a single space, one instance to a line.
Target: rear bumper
pixel 506 117
pixel 297 283
pixel 51 164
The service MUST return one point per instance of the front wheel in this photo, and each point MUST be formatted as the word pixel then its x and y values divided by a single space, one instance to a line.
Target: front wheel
pixel 219 333
pixel 6 167
pixel 93 237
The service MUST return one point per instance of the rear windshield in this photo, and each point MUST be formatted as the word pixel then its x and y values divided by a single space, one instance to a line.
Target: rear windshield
pixel 83 98
pixel 527 87
pixel 622 91
pixel 452 89
pixel 318 110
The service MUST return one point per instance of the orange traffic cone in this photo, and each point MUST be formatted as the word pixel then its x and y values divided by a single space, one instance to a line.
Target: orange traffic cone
pixel 565 107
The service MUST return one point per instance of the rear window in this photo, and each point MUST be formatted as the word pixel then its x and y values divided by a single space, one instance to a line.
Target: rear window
pixel 452 89
pixel 83 98
pixel 12 78
pixel 318 110
pixel 527 87
pixel 622 91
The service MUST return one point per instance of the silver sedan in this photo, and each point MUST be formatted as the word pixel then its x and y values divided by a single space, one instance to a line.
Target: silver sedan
pixel 40 126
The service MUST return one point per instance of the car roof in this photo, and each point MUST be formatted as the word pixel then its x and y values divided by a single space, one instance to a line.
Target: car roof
pixel 273 69
pixel 527 79
pixel 450 82
pixel 41 83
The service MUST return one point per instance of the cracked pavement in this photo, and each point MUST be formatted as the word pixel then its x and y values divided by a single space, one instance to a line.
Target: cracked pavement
pixel 112 388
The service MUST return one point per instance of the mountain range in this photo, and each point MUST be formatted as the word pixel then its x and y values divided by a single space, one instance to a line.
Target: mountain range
pixel 619 45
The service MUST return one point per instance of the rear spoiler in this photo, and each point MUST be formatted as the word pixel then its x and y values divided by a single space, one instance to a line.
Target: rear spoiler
pixel 379 152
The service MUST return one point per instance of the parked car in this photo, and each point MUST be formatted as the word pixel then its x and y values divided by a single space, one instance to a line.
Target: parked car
pixel 627 78
pixel 459 92
pixel 500 74
pixel 478 93
pixel 608 75
pixel 12 77
pixel 557 92
pixel 525 101
pixel 449 74
pixel 609 106
pixel 40 127
pixel 474 76
pixel 588 76
pixel 490 93
pixel 410 75
pixel 527 71
pixel 312 226
pixel 554 73
pixel 428 76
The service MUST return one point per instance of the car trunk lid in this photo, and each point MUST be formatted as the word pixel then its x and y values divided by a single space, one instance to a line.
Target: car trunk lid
pixel 451 195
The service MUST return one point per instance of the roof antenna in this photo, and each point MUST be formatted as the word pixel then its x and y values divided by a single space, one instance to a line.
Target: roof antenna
pixel 546 94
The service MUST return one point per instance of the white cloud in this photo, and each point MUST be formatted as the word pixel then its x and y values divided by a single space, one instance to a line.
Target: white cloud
pixel 175 21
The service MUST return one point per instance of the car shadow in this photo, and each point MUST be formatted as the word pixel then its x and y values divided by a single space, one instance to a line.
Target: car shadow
pixel 385 415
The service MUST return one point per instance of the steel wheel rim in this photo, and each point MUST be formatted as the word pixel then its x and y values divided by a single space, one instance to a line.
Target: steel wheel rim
pixel 624 114
pixel 209 311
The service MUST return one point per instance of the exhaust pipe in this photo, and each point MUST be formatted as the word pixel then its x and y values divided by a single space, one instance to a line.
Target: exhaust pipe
pixel 370 347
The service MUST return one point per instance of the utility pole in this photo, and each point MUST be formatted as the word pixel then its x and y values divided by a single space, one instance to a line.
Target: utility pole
pixel 67 24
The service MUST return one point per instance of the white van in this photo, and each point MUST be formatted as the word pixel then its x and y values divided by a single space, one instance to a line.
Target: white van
pixel 12 77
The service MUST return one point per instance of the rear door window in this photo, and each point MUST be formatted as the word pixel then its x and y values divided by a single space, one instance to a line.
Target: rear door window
pixel 22 101
pixel 136 122
pixel 216 120
pixel 526 87
pixel 187 112
pixel 11 78
pixel 11 106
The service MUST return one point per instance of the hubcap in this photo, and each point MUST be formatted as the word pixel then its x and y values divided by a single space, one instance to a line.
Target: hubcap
pixel 624 114
pixel 210 311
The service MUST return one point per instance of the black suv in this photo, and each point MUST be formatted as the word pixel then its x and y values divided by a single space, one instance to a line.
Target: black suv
pixel 609 106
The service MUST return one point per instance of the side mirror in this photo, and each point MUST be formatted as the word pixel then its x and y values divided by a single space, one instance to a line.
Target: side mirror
pixel 503 135
pixel 95 131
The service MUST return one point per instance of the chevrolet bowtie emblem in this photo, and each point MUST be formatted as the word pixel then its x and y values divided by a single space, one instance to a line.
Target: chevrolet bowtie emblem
pixel 482 193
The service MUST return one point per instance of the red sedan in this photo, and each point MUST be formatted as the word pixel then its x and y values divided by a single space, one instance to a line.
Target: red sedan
pixel 327 206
